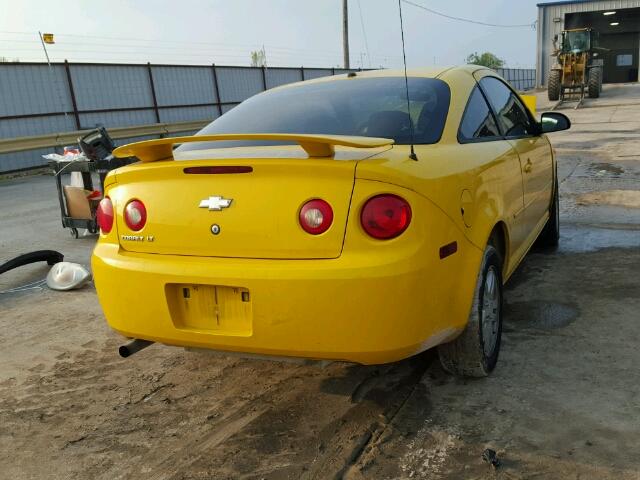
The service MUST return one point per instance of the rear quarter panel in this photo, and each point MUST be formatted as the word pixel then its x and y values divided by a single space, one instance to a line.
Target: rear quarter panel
pixel 489 171
pixel 436 294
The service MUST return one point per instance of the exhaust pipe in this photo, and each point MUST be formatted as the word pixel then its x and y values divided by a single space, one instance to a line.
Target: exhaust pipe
pixel 133 347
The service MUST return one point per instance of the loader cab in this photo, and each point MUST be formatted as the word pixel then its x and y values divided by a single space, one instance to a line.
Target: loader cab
pixel 579 40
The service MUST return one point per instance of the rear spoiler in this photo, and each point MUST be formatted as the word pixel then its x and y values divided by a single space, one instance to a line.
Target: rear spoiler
pixel 314 145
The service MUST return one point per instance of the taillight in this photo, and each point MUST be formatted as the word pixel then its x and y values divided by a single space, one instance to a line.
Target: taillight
pixel 104 215
pixel 135 215
pixel 316 216
pixel 385 216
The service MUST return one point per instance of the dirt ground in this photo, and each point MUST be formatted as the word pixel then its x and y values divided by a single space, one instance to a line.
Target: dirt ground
pixel 564 402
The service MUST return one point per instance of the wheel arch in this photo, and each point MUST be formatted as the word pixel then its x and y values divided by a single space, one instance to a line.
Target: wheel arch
pixel 499 239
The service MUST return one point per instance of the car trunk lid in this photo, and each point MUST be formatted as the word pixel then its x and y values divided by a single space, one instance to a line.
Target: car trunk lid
pixel 245 207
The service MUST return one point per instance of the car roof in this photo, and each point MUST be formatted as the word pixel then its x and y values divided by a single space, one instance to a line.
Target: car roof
pixel 425 72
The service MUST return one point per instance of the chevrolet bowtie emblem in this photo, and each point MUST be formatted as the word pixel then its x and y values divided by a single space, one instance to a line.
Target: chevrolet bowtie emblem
pixel 215 203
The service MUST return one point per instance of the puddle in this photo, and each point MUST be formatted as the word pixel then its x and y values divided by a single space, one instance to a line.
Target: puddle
pixel 621 198
pixel 580 240
pixel 540 315
pixel 601 169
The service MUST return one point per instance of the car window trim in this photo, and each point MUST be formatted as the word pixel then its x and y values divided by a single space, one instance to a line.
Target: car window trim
pixel 464 140
pixel 526 111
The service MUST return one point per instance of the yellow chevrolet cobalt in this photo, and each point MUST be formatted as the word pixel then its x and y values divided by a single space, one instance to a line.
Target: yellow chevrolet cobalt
pixel 300 223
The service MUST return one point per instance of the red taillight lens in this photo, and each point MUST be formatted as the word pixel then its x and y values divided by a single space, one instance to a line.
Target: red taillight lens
pixel 316 216
pixel 385 216
pixel 104 215
pixel 135 215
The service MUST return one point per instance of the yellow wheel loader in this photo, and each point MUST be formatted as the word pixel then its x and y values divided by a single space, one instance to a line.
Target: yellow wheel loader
pixel 578 70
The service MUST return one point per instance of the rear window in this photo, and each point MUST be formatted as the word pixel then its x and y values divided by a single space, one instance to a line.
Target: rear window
pixel 370 107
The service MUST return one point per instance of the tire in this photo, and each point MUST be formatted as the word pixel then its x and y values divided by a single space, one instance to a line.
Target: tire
pixel 595 80
pixel 601 80
pixel 550 235
pixel 553 89
pixel 475 352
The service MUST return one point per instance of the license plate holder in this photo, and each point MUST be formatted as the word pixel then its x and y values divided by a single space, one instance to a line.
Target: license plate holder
pixel 214 309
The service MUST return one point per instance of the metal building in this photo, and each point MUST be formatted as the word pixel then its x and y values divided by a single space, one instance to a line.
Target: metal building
pixel 617 21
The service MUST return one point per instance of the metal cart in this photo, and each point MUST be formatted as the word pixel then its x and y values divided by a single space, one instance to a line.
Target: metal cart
pixel 97 147
pixel 86 167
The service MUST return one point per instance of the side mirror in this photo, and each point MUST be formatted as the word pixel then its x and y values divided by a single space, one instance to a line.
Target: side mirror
pixel 554 122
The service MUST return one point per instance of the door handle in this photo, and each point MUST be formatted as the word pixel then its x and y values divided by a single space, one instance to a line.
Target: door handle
pixel 528 166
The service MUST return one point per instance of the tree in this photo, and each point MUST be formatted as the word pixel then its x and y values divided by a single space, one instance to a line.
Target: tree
pixel 487 59
pixel 259 58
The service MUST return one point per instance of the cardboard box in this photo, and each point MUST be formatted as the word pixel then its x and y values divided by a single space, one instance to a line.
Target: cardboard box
pixel 77 202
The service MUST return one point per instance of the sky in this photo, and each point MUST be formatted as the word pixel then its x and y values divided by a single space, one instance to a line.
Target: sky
pixel 292 32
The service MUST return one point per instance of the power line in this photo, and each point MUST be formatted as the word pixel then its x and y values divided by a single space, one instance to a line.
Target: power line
pixel 183 42
pixel 467 20
pixel 78 46
pixel 127 50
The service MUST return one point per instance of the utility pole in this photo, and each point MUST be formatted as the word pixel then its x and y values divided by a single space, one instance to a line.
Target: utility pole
pixel 345 33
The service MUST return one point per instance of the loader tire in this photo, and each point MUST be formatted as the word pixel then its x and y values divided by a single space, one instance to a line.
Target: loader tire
pixel 553 89
pixel 595 80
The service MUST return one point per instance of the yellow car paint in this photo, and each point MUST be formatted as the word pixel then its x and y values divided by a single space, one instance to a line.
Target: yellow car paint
pixel 253 227
pixel 531 102
pixel 341 295
pixel 345 308
pixel 314 145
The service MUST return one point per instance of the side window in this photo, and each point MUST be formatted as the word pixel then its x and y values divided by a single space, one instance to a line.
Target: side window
pixel 512 116
pixel 478 121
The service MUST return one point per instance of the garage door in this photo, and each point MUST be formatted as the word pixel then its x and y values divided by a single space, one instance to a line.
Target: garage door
pixel 621 59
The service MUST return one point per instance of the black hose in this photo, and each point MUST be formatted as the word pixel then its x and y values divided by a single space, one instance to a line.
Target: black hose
pixel 50 256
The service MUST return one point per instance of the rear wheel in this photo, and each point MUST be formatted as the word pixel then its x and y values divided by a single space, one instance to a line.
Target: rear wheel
pixel 553 89
pixel 550 236
pixel 475 352
pixel 595 81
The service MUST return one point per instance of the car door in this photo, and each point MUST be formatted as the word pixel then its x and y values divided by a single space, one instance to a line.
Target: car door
pixel 523 132
pixel 503 178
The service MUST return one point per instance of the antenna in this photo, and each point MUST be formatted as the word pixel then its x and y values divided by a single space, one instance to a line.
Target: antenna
pixel 412 155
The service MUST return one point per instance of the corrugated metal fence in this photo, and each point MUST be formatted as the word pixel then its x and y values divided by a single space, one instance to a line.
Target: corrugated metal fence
pixel 37 99
pixel 522 79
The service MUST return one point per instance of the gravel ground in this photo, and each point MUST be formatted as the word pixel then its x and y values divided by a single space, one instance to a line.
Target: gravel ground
pixel 563 403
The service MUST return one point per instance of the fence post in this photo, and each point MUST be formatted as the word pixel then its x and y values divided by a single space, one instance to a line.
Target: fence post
pixel 333 71
pixel 216 88
pixel 302 73
pixel 153 93
pixel 76 115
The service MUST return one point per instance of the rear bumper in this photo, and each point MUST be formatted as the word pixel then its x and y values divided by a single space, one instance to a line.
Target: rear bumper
pixel 354 308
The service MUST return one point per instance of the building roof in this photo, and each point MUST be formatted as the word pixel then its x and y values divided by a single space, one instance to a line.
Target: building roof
pixel 563 2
